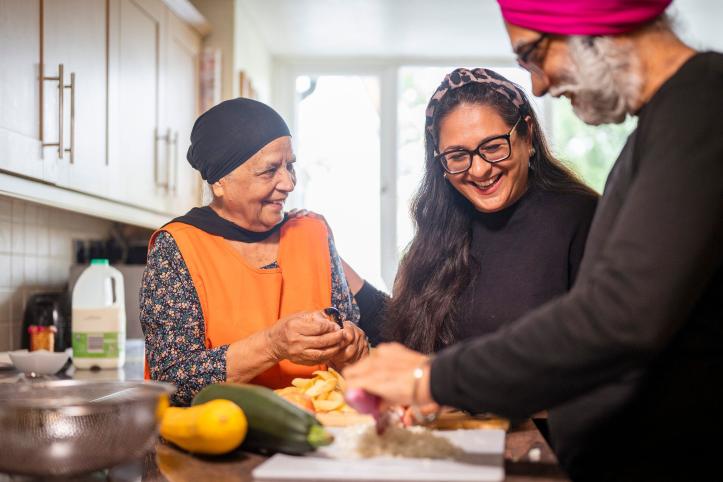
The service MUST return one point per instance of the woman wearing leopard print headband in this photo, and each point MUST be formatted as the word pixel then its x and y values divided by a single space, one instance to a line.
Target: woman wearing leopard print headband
pixel 500 223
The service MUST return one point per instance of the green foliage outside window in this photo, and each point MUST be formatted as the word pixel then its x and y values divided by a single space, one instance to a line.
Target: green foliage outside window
pixel 589 150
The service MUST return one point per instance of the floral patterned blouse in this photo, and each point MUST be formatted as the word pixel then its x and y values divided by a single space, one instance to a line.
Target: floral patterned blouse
pixel 174 327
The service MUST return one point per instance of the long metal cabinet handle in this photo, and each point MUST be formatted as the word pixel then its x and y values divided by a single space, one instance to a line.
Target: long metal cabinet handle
pixel 61 86
pixel 169 154
pixel 155 156
pixel 175 162
pixel 71 150
pixel 156 176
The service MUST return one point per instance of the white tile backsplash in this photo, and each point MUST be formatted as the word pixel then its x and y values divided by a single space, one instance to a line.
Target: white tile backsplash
pixel 18 234
pixel 5 270
pixel 6 236
pixel 6 297
pixel 42 233
pixel 36 251
pixel 6 210
pixel 6 330
pixel 30 239
pixel 31 214
pixel 19 212
pixel 31 270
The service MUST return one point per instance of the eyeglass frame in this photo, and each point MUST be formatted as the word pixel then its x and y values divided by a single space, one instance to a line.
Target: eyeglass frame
pixel 476 151
pixel 526 50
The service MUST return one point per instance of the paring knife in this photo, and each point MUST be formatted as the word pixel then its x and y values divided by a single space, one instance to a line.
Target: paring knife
pixel 334 315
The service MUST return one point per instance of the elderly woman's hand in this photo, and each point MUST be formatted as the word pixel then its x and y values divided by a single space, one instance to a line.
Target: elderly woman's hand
pixel 389 372
pixel 356 349
pixel 300 213
pixel 306 338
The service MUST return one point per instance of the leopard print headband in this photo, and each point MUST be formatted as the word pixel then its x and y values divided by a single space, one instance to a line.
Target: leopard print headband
pixel 460 77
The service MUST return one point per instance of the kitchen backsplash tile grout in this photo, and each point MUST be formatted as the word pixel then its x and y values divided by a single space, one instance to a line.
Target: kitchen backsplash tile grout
pixel 36 251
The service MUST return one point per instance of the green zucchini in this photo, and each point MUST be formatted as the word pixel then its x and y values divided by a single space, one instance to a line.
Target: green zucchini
pixel 274 425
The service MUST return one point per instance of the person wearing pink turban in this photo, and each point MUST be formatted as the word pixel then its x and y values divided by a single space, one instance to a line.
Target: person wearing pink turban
pixel 629 362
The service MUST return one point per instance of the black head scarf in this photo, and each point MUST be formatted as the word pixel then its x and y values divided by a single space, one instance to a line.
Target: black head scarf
pixel 230 133
pixel 222 139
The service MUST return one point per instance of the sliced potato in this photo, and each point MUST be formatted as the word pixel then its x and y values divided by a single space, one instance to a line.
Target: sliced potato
pixel 326 405
pixel 321 386
pixel 325 390
pixel 302 383
pixel 341 383
pixel 325 375
pixel 335 395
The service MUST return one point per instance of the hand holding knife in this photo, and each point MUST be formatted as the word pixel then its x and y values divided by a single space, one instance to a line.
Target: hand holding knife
pixel 368 403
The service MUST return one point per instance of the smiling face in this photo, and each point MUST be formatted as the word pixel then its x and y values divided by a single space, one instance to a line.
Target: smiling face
pixel 253 194
pixel 489 187
pixel 600 75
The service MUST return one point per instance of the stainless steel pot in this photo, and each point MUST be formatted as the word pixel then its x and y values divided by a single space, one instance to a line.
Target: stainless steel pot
pixel 67 427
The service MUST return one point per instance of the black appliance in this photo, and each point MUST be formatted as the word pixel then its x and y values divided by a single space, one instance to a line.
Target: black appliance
pixel 48 309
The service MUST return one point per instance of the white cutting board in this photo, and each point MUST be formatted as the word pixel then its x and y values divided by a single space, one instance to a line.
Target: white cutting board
pixel 483 461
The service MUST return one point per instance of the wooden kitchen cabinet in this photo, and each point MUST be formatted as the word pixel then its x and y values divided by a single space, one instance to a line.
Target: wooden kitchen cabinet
pixel 75 35
pixel 115 125
pixel 181 105
pixel 153 104
pixel 20 145
pixel 138 152
pixel 36 38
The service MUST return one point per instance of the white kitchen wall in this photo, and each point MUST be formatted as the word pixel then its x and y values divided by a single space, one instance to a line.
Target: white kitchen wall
pixel 251 53
pixel 36 251
pixel 243 49
pixel 220 14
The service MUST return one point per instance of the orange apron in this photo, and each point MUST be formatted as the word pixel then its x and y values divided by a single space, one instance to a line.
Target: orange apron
pixel 238 300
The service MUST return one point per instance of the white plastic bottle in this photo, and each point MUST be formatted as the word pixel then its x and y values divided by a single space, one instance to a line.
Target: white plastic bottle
pixel 98 322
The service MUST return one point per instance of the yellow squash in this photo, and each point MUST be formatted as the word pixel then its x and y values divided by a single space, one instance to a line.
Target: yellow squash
pixel 214 428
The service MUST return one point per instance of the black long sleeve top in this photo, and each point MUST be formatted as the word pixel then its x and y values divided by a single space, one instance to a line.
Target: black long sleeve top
pixel 631 358
pixel 525 255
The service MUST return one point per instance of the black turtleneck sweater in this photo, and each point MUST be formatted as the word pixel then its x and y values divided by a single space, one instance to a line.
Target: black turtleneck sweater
pixel 528 254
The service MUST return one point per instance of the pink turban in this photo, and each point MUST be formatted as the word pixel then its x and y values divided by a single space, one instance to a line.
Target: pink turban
pixel 581 17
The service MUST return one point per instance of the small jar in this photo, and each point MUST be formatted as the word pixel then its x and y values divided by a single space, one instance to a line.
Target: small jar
pixel 42 337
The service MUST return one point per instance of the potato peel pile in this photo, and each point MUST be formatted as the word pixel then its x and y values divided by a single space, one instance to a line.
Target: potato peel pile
pixel 324 393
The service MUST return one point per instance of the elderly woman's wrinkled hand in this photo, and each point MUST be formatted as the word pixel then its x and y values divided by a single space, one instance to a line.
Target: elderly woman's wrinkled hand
pixel 306 338
pixel 300 213
pixel 357 346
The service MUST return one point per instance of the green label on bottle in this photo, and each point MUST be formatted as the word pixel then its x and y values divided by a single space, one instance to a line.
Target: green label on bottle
pixel 96 345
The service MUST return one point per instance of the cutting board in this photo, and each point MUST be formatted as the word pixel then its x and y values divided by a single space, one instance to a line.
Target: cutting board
pixel 445 421
pixel 482 461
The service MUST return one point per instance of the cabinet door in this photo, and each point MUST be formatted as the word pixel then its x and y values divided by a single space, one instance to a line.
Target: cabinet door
pixel 75 35
pixel 20 149
pixel 138 149
pixel 182 86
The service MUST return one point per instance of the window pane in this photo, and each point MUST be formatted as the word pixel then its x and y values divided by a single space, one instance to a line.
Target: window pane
pixel 416 85
pixel 337 145
pixel 589 150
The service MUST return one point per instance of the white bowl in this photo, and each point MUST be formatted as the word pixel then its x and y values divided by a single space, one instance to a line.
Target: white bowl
pixel 39 362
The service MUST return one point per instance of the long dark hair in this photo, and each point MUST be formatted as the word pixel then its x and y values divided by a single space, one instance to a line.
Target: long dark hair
pixel 437 265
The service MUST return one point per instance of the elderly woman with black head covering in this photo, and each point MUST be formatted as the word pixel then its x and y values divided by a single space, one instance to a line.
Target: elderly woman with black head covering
pixel 235 291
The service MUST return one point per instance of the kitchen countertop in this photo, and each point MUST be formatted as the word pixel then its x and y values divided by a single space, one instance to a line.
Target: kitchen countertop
pixel 528 457
pixel 168 464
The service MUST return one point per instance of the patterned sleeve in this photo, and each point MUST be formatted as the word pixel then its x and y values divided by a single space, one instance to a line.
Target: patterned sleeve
pixel 173 325
pixel 341 296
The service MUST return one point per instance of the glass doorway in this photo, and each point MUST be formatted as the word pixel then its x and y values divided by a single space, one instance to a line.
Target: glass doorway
pixel 337 141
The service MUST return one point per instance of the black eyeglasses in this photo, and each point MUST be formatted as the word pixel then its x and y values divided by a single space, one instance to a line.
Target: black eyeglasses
pixel 496 149
pixel 524 55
